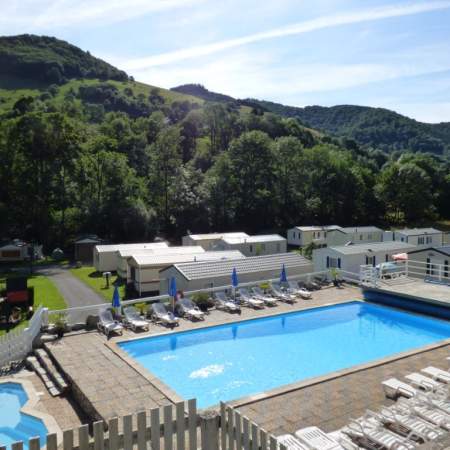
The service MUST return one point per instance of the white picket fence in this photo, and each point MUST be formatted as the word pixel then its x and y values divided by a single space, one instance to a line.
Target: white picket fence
pixel 173 427
pixel 15 345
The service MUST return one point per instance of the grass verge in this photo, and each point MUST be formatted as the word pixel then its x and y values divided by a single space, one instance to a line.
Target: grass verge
pixel 95 281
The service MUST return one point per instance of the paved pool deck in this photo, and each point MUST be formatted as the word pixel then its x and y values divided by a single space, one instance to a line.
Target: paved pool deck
pixel 415 289
pixel 106 385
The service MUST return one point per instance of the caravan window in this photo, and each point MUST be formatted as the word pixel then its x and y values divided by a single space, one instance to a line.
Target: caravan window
pixel 370 260
pixel 421 240
pixel 335 262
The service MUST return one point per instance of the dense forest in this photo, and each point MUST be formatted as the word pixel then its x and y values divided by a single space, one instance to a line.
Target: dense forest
pixel 370 127
pixel 129 162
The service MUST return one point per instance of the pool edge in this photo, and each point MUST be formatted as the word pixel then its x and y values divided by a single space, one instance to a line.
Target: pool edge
pixel 159 384
pixel 287 388
pixel 281 390
pixel 29 407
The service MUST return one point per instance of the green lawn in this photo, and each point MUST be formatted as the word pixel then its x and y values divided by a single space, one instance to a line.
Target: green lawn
pixel 45 292
pixel 94 279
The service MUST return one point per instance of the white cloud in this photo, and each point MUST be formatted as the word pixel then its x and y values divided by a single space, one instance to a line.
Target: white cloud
pixel 262 75
pixel 424 112
pixel 48 14
pixel 319 23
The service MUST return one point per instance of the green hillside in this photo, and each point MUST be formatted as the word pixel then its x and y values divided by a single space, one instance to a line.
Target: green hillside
pixel 373 127
pixel 49 60
pixel 97 152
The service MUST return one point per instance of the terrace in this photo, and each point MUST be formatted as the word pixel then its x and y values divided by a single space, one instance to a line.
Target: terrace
pixel 106 383
pixel 87 360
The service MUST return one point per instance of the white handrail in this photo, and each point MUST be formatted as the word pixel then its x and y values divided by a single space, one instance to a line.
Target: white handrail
pixel 79 314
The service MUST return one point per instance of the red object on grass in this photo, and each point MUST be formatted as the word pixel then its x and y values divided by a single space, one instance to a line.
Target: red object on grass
pixel 17 296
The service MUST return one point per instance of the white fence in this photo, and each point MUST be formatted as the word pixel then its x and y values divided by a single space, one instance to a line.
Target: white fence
pixel 174 427
pixel 79 315
pixel 427 271
pixel 15 345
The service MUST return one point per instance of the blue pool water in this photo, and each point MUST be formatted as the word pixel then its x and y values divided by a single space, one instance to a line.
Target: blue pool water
pixel 14 425
pixel 231 361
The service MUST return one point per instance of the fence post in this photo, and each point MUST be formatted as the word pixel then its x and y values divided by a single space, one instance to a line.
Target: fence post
pixel 209 426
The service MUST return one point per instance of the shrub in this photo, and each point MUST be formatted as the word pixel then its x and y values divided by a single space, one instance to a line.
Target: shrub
pixel 203 301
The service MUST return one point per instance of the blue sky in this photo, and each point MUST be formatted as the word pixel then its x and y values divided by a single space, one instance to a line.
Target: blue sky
pixel 392 54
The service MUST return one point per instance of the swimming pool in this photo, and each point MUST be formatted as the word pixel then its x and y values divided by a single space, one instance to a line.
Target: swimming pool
pixel 15 425
pixel 235 360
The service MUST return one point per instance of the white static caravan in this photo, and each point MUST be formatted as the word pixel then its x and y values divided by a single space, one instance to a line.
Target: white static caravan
pixel 264 244
pixel 206 275
pixel 301 236
pixel 209 240
pixel 356 235
pixel 145 269
pixel 123 256
pixel 430 262
pixel 429 237
pixel 105 256
pixel 349 258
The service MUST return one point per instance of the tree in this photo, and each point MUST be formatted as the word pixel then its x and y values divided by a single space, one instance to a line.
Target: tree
pixel 406 190
pixel 291 203
pixel 165 154
pixel 250 173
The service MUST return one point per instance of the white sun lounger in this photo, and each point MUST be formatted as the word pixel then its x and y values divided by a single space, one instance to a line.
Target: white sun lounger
pixel 259 294
pixel 425 411
pixel 248 300
pixel 394 388
pixel 409 424
pixel 107 324
pixel 316 439
pixel 290 442
pixel 419 380
pixel 437 374
pixel 283 296
pixel 187 308
pixel 133 319
pixel 296 290
pixel 224 303
pixel 369 431
pixel 161 315
pixel 438 400
pixel 344 440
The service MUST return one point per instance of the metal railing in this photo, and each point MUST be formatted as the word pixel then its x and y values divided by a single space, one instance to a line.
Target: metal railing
pixel 80 315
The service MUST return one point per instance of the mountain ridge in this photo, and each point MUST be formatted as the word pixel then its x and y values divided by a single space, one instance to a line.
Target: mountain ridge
pixel 373 127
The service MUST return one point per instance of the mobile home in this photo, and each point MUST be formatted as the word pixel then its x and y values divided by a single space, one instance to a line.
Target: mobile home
pixel 301 236
pixel 265 244
pixel 429 237
pixel 123 256
pixel 349 258
pixel 430 262
pixel 18 250
pixel 355 235
pixel 209 240
pixel 145 269
pixel 105 256
pixel 205 275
